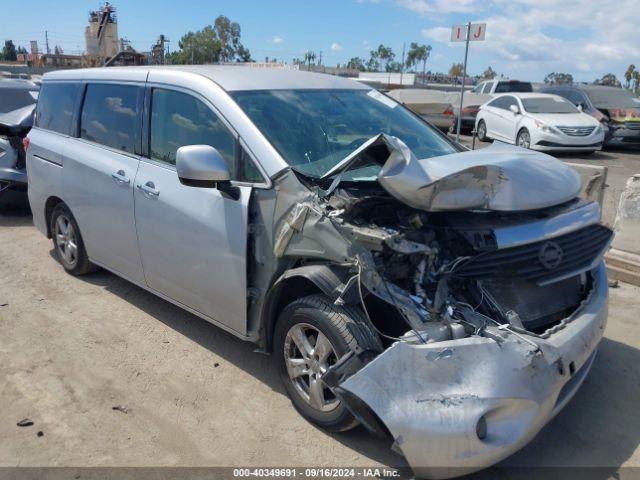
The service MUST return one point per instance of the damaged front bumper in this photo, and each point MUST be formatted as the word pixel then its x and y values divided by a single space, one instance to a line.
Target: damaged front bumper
pixel 457 406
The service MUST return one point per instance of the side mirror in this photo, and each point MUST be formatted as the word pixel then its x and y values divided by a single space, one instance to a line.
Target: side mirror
pixel 514 109
pixel 580 107
pixel 201 166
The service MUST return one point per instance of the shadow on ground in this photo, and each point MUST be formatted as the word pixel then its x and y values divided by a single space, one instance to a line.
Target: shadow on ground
pixel 240 353
pixel 14 216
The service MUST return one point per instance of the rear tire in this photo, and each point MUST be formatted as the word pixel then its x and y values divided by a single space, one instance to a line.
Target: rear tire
pixel 67 242
pixel 311 335
pixel 482 131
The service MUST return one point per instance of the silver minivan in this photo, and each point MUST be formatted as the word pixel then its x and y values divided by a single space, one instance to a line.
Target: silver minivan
pixel 450 300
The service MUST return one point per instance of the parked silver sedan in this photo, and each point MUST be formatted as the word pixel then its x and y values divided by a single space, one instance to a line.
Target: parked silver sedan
pixel 453 300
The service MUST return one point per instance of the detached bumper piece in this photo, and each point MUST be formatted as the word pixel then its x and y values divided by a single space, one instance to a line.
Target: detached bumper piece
pixel 458 406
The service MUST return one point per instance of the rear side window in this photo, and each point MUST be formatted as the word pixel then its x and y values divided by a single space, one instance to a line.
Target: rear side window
pixel 501 102
pixel 110 115
pixel 511 86
pixel 56 106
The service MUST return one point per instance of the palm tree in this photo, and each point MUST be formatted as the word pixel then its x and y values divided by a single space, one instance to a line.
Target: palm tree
pixel 309 57
pixel 385 54
pixel 418 53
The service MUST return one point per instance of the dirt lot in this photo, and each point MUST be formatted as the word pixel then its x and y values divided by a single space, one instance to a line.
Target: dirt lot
pixel 72 348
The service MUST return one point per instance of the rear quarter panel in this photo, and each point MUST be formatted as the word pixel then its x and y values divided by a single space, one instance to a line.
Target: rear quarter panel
pixel 44 164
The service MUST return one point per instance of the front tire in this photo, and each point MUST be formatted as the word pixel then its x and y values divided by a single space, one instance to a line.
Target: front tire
pixel 523 139
pixel 67 242
pixel 482 131
pixel 311 335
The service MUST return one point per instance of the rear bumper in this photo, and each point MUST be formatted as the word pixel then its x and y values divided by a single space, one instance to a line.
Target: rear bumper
pixel 442 122
pixel 13 176
pixel 623 137
pixel 432 397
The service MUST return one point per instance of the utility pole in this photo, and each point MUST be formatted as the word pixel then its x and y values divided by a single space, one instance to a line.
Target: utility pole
pixel 320 59
pixel 46 41
pixel 464 79
pixel 404 46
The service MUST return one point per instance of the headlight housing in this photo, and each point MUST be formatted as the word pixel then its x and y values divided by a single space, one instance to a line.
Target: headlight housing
pixel 544 127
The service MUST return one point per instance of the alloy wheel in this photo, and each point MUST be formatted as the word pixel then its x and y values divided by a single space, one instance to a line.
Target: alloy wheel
pixel 308 354
pixel 482 133
pixel 524 140
pixel 66 240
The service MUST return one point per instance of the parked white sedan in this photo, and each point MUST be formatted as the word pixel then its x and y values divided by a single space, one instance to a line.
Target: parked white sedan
pixel 539 121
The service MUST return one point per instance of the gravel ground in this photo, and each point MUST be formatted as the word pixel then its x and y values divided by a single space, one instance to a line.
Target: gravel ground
pixel 73 348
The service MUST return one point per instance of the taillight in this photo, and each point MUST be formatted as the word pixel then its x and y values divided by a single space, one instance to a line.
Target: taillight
pixel 25 143
pixel 471 110
pixel 448 111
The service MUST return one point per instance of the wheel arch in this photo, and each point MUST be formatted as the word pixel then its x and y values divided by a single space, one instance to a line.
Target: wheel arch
pixel 49 205
pixel 297 283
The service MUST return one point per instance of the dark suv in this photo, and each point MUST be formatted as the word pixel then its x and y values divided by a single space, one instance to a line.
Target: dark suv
pixel 617 109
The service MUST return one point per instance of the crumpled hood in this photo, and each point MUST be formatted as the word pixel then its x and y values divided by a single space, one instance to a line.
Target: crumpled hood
pixel 500 177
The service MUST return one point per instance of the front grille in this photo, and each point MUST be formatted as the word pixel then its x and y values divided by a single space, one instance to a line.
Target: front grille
pixel 632 125
pixel 577 251
pixel 577 131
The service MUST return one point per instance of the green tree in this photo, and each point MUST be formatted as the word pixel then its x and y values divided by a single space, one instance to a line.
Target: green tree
pixel 373 64
pixel 489 73
pixel 395 67
pixel 356 63
pixel 636 80
pixel 456 70
pixel 386 55
pixel 215 43
pixel 9 51
pixel 556 78
pixel 418 53
pixel 309 57
pixel 609 79
pixel 628 75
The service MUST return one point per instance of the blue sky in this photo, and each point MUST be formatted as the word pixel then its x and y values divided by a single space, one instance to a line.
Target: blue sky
pixel 526 39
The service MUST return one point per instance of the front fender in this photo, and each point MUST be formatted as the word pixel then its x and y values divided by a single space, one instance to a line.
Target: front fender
pixel 330 279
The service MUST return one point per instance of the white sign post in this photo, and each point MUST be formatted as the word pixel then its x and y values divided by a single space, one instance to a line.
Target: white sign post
pixel 471 32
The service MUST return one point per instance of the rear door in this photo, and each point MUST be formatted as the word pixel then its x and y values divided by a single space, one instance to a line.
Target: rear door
pixel 99 169
pixel 494 111
pixel 192 240
pixel 505 118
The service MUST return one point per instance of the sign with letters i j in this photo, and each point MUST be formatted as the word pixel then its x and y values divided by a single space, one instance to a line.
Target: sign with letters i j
pixel 459 32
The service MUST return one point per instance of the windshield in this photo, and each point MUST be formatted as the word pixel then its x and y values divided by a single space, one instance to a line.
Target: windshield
pixel 14 98
pixel 612 98
pixel 504 87
pixel 548 105
pixel 314 129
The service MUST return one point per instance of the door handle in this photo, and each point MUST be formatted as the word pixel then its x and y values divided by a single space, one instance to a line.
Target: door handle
pixel 120 177
pixel 148 189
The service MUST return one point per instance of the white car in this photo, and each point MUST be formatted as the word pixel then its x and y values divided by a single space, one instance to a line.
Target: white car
pixel 539 121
